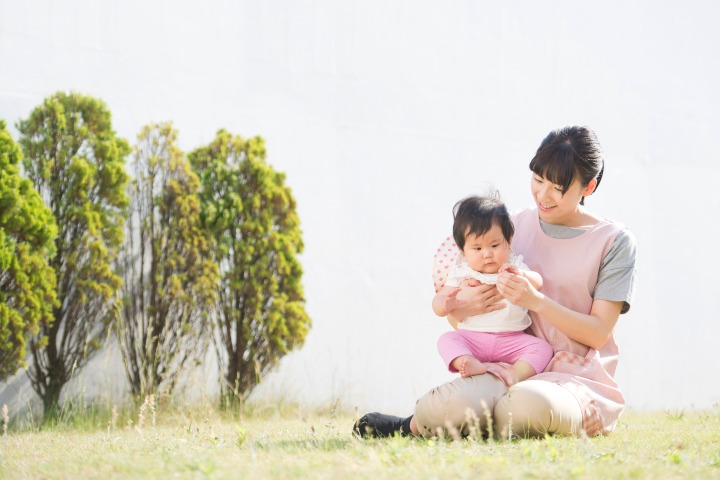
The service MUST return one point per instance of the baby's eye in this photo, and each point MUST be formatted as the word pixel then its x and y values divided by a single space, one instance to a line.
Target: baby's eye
pixel 496 245
pixel 559 189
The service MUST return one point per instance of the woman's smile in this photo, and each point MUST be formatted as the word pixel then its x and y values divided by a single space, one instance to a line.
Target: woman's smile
pixel 544 207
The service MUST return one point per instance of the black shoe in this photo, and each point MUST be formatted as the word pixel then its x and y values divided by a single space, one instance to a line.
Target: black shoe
pixel 380 425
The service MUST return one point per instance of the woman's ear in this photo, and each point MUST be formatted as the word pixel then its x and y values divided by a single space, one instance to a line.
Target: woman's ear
pixel 590 188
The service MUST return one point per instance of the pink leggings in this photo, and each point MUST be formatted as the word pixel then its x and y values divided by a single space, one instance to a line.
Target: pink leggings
pixel 506 347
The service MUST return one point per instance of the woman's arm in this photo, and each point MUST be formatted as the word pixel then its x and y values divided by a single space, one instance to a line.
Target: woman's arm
pixel 592 330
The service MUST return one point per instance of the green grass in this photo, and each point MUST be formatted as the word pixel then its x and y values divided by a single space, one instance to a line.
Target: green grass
pixel 286 442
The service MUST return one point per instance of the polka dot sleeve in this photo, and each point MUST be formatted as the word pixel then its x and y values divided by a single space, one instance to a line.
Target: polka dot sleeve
pixel 443 261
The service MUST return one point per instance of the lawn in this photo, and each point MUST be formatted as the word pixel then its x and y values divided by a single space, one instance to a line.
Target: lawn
pixel 288 442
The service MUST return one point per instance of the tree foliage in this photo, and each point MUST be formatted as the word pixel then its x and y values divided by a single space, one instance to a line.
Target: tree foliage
pixel 75 160
pixel 251 214
pixel 27 282
pixel 169 282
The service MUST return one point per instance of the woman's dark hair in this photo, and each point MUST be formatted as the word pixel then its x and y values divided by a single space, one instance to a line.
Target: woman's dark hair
pixel 477 215
pixel 569 153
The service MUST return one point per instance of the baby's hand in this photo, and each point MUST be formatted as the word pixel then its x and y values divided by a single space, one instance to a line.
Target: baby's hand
pixel 470 282
pixel 511 269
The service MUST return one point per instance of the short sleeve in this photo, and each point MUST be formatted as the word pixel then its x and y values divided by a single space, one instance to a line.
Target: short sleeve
pixel 517 261
pixel 618 275
pixel 444 259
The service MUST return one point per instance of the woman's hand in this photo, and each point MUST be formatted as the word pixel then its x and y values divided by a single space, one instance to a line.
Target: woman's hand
pixel 518 290
pixel 476 298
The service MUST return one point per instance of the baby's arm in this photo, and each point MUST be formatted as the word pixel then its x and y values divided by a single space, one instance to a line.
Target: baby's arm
pixel 445 301
pixel 534 278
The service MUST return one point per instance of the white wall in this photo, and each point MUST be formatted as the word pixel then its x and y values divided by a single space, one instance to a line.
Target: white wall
pixel 383 114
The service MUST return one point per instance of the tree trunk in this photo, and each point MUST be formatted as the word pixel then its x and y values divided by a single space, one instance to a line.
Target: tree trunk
pixel 51 396
pixel 229 392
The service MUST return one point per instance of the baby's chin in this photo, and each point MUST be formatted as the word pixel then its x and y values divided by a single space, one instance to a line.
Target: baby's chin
pixel 488 271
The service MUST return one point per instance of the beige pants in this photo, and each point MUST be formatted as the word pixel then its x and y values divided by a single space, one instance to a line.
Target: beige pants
pixel 467 406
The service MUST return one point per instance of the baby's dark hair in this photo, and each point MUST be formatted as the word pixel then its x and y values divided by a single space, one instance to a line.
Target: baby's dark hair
pixel 477 215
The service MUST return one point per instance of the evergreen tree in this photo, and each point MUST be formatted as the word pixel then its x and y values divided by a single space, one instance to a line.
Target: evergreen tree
pixel 251 214
pixel 169 281
pixel 75 160
pixel 27 282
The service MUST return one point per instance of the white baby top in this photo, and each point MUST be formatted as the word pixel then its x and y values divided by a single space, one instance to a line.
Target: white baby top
pixel 510 319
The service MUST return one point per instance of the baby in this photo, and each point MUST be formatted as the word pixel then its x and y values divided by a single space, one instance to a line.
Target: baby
pixel 482 231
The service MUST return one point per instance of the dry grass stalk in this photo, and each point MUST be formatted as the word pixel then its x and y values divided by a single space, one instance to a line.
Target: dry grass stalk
pixel 5 418
pixel 148 405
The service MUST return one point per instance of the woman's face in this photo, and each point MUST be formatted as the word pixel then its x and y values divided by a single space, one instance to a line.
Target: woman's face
pixel 553 206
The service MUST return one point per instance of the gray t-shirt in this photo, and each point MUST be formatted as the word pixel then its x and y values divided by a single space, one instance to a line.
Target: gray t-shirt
pixel 617 276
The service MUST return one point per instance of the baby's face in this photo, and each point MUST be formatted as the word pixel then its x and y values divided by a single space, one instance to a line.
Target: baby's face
pixel 487 253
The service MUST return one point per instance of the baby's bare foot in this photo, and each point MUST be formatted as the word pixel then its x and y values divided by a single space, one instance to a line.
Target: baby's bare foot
pixel 470 366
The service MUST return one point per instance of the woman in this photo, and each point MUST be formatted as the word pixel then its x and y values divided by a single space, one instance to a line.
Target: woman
pixel 588 267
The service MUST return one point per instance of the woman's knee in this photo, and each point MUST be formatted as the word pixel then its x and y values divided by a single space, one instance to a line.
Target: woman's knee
pixel 459 408
pixel 537 408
